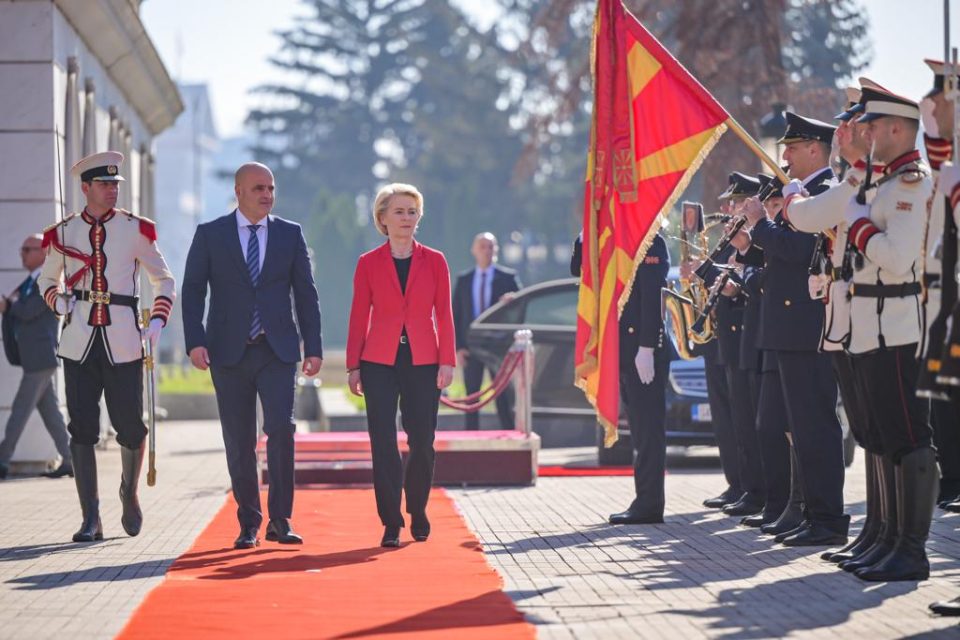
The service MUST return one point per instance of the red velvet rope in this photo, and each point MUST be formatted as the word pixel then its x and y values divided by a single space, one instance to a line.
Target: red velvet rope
pixel 470 403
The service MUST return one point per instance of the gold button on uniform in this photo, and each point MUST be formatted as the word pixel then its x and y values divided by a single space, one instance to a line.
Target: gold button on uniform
pixel 733 328
pixel 786 303
pixel 629 329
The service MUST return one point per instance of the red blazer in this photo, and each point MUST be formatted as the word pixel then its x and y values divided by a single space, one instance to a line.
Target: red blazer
pixel 380 310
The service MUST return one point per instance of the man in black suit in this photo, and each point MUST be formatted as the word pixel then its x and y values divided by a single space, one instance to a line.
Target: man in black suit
pixel 30 341
pixel 477 289
pixel 252 261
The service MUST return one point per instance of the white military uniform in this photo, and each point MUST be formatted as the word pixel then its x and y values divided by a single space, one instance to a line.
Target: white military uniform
pixel 103 261
pixel 891 241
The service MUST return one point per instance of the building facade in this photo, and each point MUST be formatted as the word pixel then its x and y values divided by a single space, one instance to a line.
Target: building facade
pixel 76 77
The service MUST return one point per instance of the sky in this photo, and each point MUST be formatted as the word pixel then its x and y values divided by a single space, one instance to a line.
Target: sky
pixel 227 44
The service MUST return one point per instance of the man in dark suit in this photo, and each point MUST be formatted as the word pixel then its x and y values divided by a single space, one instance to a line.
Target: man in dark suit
pixel 476 290
pixel 30 341
pixel 252 262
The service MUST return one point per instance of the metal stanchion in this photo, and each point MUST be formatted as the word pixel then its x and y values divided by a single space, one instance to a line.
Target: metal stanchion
pixel 523 381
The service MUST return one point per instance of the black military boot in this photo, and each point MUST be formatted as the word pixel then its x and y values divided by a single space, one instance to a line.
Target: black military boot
pixel 946 607
pixel 871 524
pixel 917 498
pixel 887 533
pixel 85 475
pixel 132 462
pixel 792 515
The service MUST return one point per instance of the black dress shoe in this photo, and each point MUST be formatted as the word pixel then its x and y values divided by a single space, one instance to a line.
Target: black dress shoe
pixel 814 535
pixel 65 469
pixel 420 527
pixel 755 521
pixel 391 537
pixel 629 517
pixel 279 530
pixel 247 538
pixel 946 608
pixel 743 507
pixel 780 537
pixel 727 497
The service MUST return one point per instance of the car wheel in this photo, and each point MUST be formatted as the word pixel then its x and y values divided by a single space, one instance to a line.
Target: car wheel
pixel 619 455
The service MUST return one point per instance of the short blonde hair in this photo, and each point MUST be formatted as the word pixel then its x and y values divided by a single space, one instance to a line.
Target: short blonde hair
pixel 382 201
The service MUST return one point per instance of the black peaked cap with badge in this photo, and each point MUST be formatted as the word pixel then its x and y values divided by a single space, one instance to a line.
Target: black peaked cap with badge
pixel 740 185
pixel 801 129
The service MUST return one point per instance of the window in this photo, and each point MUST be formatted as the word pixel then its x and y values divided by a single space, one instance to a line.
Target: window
pixel 555 307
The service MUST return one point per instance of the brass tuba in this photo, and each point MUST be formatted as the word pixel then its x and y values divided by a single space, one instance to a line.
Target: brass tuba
pixel 685 303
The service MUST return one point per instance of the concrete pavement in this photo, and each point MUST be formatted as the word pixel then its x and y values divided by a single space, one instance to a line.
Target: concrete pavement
pixel 698 575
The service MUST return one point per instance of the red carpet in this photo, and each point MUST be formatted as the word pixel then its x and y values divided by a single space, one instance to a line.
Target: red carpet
pixel 339 584
pixel 556 471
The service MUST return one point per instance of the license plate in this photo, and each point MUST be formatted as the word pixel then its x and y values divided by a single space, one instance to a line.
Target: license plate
pixel 701 413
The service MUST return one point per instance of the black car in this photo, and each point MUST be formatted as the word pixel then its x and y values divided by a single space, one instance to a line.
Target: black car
pixel 561 414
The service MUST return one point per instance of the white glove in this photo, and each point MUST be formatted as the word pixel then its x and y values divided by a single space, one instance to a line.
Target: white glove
pixel 792 188
pixel 949 178
pixel 930 126
pixel 63 305
pixel 152 333
pixel 855 211
pixel 817 285
pixel 644 363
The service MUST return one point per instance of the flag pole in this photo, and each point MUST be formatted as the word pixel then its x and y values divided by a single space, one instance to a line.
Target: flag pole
pixel 754 146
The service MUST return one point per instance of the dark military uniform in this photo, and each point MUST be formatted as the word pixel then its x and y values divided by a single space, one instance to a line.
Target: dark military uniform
pixel 641 325
pixel 791 327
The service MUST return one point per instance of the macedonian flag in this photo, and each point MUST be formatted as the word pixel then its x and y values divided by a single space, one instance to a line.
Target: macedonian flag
pixel 653 124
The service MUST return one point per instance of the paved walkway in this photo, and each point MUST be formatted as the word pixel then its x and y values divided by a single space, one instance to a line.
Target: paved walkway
pixel 697 575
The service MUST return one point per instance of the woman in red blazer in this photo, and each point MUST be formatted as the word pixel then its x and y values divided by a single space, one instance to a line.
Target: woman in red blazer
pixel 400 348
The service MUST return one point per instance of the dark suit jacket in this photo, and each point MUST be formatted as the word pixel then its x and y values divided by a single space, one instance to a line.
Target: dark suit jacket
pixel 216 261
pixel 32 326
pixel 504 281
pixel 791 319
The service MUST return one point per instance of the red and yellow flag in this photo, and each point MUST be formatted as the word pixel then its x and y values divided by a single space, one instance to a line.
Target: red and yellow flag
pixel 653 124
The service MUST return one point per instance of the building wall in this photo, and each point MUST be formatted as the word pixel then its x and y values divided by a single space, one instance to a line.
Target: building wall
pixel 36 41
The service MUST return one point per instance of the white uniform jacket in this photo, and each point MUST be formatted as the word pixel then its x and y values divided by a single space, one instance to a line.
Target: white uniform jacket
pixel 103 260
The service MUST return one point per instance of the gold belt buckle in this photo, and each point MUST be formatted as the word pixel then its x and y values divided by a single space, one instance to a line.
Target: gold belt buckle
pixel 100 297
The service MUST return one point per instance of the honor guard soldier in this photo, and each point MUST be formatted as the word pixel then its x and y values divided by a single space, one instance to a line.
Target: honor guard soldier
pixel 729 328
pixel 936 115
pixel 644 368
pixel 791 324
pixel 98 254
pixel 885 228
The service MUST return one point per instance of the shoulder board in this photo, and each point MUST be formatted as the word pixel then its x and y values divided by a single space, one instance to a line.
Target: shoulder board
pixel 57 224
pixel 913 174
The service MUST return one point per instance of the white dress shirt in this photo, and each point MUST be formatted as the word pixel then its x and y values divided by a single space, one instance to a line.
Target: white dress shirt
pixel 242 223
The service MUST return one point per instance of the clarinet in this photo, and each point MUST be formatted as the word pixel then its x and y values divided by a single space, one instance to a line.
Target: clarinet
pixel 738 224
pixel 712 300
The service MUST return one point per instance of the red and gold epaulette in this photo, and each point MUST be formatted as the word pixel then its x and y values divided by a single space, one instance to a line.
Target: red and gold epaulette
pixel 147 226
pixel 50 233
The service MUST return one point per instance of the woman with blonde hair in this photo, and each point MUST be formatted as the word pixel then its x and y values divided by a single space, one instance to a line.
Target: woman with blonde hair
pixel 400 349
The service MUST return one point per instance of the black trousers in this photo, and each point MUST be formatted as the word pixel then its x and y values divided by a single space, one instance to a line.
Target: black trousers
pixel 775 448
pixel 718 394
pixel 472 380
pixel 945 421
pixel 744 412
pixel 886 383
pixel 646 415
pixel 415 387
pixel 259 373
pixel 122 385
pixel 810 395
pixel 857 413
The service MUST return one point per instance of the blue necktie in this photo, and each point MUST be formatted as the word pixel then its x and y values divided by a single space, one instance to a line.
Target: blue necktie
pixel 253 268
pixel 25 287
